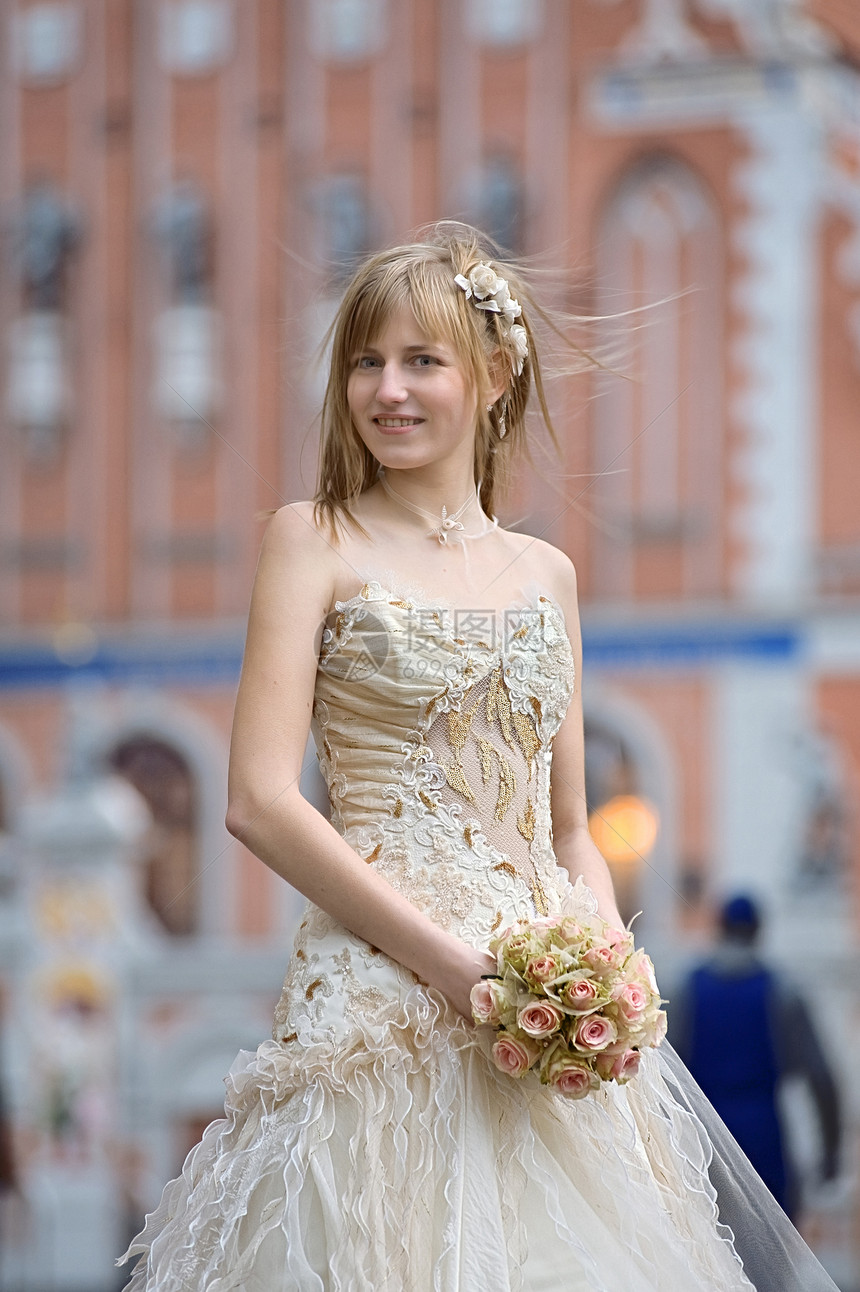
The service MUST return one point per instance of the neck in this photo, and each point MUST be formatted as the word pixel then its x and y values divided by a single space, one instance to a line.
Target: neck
pixel 432 490
pixel 447 524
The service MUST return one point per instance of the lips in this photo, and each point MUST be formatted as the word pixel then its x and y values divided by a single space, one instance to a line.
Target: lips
pixel 396 425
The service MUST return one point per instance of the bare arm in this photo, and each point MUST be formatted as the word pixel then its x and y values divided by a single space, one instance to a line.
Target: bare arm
pixel 293 590
pixel 574 846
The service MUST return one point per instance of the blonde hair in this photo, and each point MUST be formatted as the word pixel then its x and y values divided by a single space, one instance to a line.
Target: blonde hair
pixel 421 274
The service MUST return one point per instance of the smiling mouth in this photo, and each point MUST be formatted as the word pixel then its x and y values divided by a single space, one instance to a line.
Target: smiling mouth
pixel 396 423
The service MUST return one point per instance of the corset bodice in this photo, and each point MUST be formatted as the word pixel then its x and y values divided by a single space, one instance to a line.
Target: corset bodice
pixel 434 732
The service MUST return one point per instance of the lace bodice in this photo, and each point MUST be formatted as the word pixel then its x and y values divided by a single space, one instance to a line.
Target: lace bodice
pixel 424 717
pixel 434 732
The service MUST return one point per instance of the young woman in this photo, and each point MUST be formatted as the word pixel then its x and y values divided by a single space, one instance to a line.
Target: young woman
pixel 436 656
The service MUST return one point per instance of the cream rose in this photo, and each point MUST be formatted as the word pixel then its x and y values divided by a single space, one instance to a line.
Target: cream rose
pixel 484 281
pixel 520 341
pixel 516 951
pixel 580 994
pixel 511 308
pixel 542 969
pixel 571 931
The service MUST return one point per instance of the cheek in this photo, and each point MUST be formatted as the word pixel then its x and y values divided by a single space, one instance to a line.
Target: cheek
pixel 463 405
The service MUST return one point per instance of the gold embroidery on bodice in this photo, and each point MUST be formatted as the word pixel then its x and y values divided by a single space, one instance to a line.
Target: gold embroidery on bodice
pixel 474 722
pixel 436 749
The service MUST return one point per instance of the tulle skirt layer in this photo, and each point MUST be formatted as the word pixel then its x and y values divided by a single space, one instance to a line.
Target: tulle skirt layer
pixel 398 1159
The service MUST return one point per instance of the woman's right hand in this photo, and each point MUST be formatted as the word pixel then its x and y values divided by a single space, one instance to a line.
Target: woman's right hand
pixel 460 973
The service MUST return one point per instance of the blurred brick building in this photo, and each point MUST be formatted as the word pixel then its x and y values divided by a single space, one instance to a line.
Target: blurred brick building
pixel 183 187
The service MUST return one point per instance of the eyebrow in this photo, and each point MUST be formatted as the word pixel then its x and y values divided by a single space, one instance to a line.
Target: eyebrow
pixel 411 349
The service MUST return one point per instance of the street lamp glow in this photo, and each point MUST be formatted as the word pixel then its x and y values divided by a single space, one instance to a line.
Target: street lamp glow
pixel 625 828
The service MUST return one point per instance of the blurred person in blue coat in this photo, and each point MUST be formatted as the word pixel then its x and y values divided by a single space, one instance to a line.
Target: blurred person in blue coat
pixel 742 1028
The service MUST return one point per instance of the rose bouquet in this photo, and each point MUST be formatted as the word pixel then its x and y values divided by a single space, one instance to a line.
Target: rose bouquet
pixel 573 998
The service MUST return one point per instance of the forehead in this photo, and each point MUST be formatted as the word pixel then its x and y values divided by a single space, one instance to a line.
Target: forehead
pixel 401 328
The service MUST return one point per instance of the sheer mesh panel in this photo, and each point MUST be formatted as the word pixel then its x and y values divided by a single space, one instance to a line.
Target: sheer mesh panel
pixel 488 754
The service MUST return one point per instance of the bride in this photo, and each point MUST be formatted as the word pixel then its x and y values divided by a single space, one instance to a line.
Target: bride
pixel 372 1144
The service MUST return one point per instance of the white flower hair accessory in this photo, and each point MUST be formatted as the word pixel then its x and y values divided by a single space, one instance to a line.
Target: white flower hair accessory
pixel 488 291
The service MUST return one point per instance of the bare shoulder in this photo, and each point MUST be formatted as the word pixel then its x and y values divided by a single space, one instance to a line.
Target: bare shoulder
pixel 298 554
pixel 547 565
pixel 296 525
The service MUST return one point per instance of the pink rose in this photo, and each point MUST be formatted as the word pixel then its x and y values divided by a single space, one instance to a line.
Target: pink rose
pixel 484 1002
pixel 540 1018
pixel 593 1033
pixel 618 1067
pixel 542 969
pixel 579 994
pixel 601 959
pixel 619 939
pixel 632 1001
pixel 570 930
pixel 570 1076
pixel 514 1056
pixel 639 966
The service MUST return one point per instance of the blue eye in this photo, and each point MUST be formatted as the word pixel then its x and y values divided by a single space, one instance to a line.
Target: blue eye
pixel 425 360
pixel 366 361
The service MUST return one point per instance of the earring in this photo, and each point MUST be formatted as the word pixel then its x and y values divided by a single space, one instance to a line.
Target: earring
pixel 503 429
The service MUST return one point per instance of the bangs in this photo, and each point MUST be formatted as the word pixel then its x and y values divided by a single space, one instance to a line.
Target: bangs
pixel 426 286
pixel 437 304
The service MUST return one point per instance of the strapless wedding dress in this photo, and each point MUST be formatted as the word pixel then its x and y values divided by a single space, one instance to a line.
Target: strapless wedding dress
pixel 371 1144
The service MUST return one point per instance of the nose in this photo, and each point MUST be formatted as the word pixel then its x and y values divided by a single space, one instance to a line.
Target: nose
pixel 392 387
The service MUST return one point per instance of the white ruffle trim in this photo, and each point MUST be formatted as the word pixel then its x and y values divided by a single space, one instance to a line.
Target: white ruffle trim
pixel 400 1160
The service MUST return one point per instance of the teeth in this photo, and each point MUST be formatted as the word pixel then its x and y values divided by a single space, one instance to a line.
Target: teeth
pixel 395 421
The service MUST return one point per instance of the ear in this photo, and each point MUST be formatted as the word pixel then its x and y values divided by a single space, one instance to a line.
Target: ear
pixel 499 371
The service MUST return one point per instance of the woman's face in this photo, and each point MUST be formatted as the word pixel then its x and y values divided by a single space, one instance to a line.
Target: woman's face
pixel 411 400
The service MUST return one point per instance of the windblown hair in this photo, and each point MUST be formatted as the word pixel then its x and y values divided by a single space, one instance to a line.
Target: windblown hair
pixel 422 274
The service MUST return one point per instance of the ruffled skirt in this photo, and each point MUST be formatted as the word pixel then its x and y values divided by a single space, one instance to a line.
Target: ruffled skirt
pixel 397 1159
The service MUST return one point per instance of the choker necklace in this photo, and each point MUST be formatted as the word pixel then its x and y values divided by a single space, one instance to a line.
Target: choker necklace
pixel 445 527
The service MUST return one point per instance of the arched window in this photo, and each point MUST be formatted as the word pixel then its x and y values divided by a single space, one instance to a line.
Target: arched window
pixel 658 434
pixel 163 778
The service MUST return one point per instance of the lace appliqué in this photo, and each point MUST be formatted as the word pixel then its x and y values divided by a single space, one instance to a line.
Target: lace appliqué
pixel 306 985
pixel 362 999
